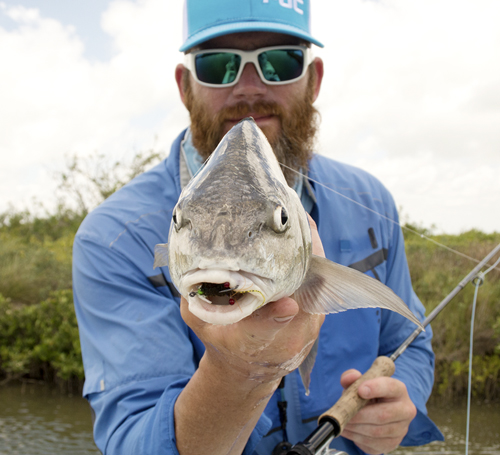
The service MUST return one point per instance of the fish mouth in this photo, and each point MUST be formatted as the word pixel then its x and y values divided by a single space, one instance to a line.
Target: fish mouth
pixel 223 297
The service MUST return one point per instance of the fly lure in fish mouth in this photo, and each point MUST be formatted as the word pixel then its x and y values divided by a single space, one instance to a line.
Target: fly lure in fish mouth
pixel 221 293
pixel 214 290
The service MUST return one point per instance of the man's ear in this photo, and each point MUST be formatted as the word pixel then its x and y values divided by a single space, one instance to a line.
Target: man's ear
pixel 318 63
pixel 180 70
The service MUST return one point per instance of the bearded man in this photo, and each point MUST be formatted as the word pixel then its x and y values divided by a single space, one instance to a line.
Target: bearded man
pixel 288 117
pixel 160 380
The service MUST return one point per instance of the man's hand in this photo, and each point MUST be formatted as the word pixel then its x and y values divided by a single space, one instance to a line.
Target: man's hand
pixel 383 423
pixel 263 347
pixel 240 370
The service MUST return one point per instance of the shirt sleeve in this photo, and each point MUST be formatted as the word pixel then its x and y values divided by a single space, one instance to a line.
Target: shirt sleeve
pixel 136 349
pixel 415 367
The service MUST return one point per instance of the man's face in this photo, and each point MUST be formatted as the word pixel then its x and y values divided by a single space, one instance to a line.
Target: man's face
pixel 284 112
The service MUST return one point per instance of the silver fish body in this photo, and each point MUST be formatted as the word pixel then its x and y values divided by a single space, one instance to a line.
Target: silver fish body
pixel 240 238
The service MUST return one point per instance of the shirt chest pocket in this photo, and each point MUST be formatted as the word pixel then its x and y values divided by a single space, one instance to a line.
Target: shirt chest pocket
pixel 363 249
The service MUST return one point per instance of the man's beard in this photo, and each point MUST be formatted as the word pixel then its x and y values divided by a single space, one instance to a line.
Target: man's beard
pixel 293 145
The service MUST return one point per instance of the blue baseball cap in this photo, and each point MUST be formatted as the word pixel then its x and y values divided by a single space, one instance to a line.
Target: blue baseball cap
pixel 207 19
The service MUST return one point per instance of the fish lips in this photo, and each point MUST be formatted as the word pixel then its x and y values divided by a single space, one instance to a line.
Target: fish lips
pixel 247 291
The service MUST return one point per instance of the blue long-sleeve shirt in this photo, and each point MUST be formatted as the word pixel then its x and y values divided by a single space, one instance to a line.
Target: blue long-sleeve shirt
pixel 138 353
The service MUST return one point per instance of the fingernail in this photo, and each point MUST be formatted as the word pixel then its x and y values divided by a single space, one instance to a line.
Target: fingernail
pixel 284 319
pixel 365 390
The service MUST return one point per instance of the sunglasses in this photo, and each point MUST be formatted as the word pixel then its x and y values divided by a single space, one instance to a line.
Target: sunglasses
pixel 276 65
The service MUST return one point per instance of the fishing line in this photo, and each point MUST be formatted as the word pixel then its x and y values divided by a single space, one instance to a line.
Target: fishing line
pixel 478 281
pixel 387 218
pixel 492 267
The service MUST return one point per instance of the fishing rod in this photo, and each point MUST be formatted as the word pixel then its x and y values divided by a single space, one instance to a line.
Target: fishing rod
pixel 333 421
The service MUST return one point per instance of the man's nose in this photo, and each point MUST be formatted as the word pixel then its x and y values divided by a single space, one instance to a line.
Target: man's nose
pixel 250 84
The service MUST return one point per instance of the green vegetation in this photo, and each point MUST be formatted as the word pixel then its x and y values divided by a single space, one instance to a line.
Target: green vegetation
pixel 38 329
pixel 35 254
pixel 40 341
pixel 435 273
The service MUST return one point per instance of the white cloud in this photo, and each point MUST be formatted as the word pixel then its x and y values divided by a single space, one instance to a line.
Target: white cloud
pixel 40 62
pixel 47 77
pixel 410 93
pixel 418 74
pixel 453 195
pixel 55 102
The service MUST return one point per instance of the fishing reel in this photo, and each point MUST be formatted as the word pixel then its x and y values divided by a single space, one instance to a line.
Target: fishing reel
pixel 317 443
pixel 285 448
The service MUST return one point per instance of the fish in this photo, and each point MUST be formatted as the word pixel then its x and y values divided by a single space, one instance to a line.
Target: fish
pixel 240 238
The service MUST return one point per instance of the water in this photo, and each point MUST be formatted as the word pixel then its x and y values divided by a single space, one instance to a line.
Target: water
pixel 484 437
pixel 38 420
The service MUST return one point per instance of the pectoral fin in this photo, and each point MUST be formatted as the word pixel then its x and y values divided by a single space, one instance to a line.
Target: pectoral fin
pixel 332 288
pixel 161 255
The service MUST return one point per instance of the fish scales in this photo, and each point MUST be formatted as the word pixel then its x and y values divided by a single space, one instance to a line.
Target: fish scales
pixel 232 195
pixel 238 224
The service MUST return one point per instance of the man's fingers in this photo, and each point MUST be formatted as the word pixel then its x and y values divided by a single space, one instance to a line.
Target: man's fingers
pixel 272 316
pixel 189 318
pixel 380 413
pixel 382 387
pixel 373 442
pixel 381 425
pixel 280 311
pixel 382 431
pixel 348 377
pixel 270 319
pixel 317 246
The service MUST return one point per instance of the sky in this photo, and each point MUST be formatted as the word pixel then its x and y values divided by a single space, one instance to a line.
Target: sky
pixel 411 93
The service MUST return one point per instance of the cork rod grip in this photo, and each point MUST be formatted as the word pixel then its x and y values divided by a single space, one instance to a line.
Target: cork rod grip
pixel 350 402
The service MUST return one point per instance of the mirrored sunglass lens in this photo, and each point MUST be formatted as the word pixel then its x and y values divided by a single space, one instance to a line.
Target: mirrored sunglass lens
pixel 281 65
pixel 217 67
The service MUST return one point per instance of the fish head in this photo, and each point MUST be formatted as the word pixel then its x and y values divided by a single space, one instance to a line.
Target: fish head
pixel 239 236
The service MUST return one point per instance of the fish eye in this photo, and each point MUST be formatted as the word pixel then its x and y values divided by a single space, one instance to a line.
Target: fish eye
pixel 280 219
pixel 177 218
pixel 284 216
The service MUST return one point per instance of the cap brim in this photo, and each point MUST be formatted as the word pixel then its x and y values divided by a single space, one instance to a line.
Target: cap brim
pixel 225 29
